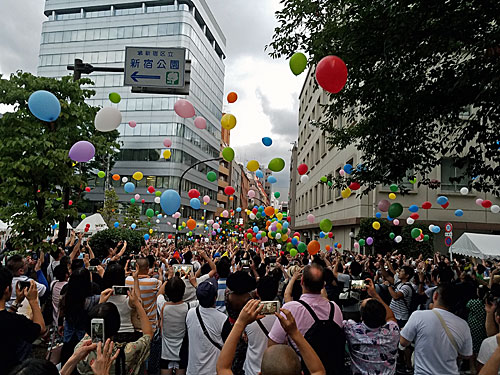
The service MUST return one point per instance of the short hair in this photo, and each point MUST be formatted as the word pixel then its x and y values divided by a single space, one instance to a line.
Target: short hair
pixel 409 271
pixel 151 260
pixel 35 366
pixel 288 363
pixel 76 264
pixel 205 269
pixel 267 287
pixel 188 255
pixel 175 288
pixel 5 279
pixel 448 296
pixel 313 278
pixel 480 268
pixel 355 268
pixel 15 263
pixel 114 275
pixel 223 267
pixel 109 312
pixel 143 263
pixel 60 272
pixel 446 275
pixel 373 313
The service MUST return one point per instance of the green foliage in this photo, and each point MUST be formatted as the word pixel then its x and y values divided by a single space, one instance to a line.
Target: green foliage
pixel 133 215
pixel 109 211
pixel 414 66
pixel 38 179
pixel 383 244
pixel 108 238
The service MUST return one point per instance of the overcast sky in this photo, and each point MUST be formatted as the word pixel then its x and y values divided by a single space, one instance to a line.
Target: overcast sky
pixel 268 91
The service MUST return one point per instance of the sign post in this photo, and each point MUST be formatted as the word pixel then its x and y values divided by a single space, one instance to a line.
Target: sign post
pixel 448 235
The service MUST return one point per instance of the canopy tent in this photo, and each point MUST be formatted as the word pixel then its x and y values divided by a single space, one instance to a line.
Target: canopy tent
pixel 3 226
pixel 96 222
pixel 482 246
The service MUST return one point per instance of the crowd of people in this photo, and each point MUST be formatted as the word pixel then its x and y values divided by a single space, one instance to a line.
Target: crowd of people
pixel 229 308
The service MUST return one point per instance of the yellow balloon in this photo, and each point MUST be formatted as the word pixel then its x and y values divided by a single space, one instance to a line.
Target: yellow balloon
pixel 392 196
pixel 203 218
pixel 150 231
pixel 346 193
pixel 167 154
pixel 269 234
pixel 279 216
pixel 376 225
pixel 228 121
pixel 284 237
pixel 253 165
pixel 183 223
pixel 278 226
pixel 138 176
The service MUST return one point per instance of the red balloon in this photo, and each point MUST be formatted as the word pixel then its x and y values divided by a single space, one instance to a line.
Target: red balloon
pixel 169 237
pixel 354 186
pixel 193 193
pixel 426 205
pixel 296 234
pixel 302 169
pixel 151 189
pixel 229 190
pixel 486 204
pixel 143 200
pixel 415 216
pixel 331 74
pixel 330 234
pixel 255 211
pixel 289 219
pixel 70 202
pixel 445 205
pixel 87 189
pixel 86 229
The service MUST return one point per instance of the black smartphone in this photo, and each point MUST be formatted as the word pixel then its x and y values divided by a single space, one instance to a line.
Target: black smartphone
pixel 24 284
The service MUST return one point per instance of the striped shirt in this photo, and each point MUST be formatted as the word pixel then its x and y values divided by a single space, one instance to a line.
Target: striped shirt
pixel 220 304
pixel 149 289
pixel 401 306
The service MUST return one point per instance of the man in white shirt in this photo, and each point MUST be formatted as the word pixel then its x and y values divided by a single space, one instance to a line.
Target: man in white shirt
pixel 190 293
pixel 204 324
pixel 489 345
pixel 18 267
pixel 439 335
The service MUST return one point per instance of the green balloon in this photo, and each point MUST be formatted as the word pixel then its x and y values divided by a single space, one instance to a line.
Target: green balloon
pixel 289 246
pixel 261 209
pixel 190 233
pixel 293 252
pixel 323 179
pixel 415 232
pixel 150 212
pixel 258 215
pixel 276 164
pixel 330 184
pixel 277 194
pixel 157 193
pixel 157 212
pixel 394 188
pixel 273 234
pixel 83 216
pixel 101 174
pixel 392 236
pixel 114 97
pixel 325 225
pixel 298 63
pixel 302 247
pixel 228 154
pixel 211 176
pixel 132 200
pixel 395 210
pixel 426 237
pixel 361 242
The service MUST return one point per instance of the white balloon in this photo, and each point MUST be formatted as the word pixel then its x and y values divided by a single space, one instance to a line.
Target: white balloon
pixel 174 226
pixel 251 194
pixel 252 216
pixel 410 221
pixel 464 191
pixel 351 234
pixel 279 246
pixel 107 119
pixel 398 239
pixel 278 236
pixel 304 178
pixel 157 200
pixel 431 227
pixel 495 209
pixel 157 221
pixel 124 179
pixel 207 240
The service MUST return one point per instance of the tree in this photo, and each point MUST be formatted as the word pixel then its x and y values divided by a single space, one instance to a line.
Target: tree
pixel 109 211
pixel 415 69
pixel 109 238
pixel 37 178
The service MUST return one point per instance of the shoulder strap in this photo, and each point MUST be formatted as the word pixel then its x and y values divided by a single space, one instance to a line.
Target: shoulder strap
pixel 332 311
pixel 263 327
pixel 447 330
pixel 204 329
pixel 311 311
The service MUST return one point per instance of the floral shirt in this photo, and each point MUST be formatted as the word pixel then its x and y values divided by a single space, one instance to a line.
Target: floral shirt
pixel 372 351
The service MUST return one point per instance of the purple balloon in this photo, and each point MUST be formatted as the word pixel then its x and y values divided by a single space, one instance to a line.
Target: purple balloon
pixel 384 205
pixel 369 241
pixel 82 151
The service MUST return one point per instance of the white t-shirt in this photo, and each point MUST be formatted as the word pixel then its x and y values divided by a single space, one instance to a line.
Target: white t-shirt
pixel 257 344
pixel 122 304
pixel 434 352
pixel 190 292
pixel 488 347
pixel 203 354
pixel 50 269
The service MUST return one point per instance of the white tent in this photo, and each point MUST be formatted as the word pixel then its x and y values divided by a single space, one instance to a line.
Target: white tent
pixel 477 245
pixel 96 222
pixel 3 226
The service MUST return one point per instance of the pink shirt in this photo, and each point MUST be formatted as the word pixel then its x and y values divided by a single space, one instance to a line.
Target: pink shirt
pixel 302 317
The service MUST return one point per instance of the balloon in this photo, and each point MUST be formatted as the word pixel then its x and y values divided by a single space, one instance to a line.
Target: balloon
pixel 124 180
pixel 302 247
pixel 150 212
pixel 157 193
pixel 479 201
pixel 276 164
pixel 410 221
pixel 129 187
pixel 132 200
pixel 310 218
pixel 392 196
pixel 167 142
pixel 325 225
pixel 232 97
pixel 442 200
pixel 167 154
pixel 323 179
pixel 266 141
pixel 413 208
pixel 133 225
pixel 486 203
pixel 206 199
pixel 157 200
pixel 200 122
pixel 426 237
pixel 229 190
pixel 116 177
pixel 416 232
pixel 238 209
pixel 426 205
pixel 82 151
pixel 459 213
pixel 384 205
pixel 293 252
pixel 253 165
pixel 436 229
pixel 342 172
pixel 137 197
pixel 393 188
pixel 298 63
pixel 495 209
pixel 356 245
pixel 304 179
pixel 107 119
pixel 193 193
pixel 376 225
pixel 395 210
pixel 354 186
pixel 195 203
pixel 398 239
pixel 302 169
pixel 331 74
pixel 378 215
pixel 151 189
pixel 87 189
pixel 313 247
pixel 146 236
pixel 228 121
pixel 83 216
pixel 251 194
pixel 259 174
pixel 392 236
pixel 114 97
pixel 362 242
pixel 415 216
pixel 132 124
pixel 369 241
pixel 269 210
pixel 191 224
pixel 348 168
pixel 184 108
pixel 277 194
pixel 170 201
pixel 395 222
pixel 464 191
pixel 116 224
pixel 346 193
pixel 321 234
pixel 101 174
pixel 137 176
pixel 44 105
pixel 272 179
pixel 211 176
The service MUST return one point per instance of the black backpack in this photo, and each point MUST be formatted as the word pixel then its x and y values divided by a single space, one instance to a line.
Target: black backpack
pixel 416 300
pixel 327 339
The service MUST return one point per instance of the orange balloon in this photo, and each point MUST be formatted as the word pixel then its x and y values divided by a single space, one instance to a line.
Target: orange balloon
pixel 191 224
pixel 313 247
pixel 269 211
pixel 116 177
pixel 231 198
pixel 232 97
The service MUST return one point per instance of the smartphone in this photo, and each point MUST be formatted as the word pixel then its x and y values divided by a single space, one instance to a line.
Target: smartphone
pixel 156 269
pixel 358 284
pixel 119 290
pixel 92 268
pixel 269 307
pixel 183 268
pixel 132 264
pixel 195 253
pixel 245 262
pixel 34 255
pixel 97 330
pixel 272 259
pixel 24 284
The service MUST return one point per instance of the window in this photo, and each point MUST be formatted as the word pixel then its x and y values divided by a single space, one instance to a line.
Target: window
pixel 453 177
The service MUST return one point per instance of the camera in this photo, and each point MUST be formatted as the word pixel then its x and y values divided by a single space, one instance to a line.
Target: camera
pixel 24 284
pixel 132 264
pixel 97 330
pixel 269 307
pixel 120 290
pixel 358 284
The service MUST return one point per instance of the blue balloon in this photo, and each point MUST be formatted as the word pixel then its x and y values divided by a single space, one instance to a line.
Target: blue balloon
pixel 321 234
pixel 295 241
pixel 238 209
pixel 389 218
pixel 44 105
pixel 218 230
pixel 216 255
pixel 129 187
pixel 436 229
pixel 159 216
pixel 267 141
pixel 413 208
pixel 285 225
pixel 195 203
pixel 258 236
pixel 255 229
pixel 378 215
pixel 116 224
pixel 170 201
pixel 259 174
pixel 442 200
pixel 459 213
pixel 133 226
pixel 272 179
pixel 348 168
pixel 146 236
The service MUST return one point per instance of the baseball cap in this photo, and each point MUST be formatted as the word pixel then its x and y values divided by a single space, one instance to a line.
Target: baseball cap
pixel 207 292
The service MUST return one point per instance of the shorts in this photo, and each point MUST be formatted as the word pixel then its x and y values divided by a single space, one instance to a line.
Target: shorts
pixel 402 323
pixel 166 364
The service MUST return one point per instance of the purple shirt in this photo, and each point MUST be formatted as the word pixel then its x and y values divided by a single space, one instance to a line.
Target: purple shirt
pixel 303 318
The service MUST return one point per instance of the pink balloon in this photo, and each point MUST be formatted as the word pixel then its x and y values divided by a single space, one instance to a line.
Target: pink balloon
pixel 356 245
pixel 216 226
pixel 383 205
pixel 251 194
pixel 206 199
pixel 137 197
pixel 395 222
pixel 200 123
pixel 167 142
pixel 310 218
pixel 342 172
pixel 176 215
pixel 132 124
pixel 479 201
pixel 184 108
pixel 225 213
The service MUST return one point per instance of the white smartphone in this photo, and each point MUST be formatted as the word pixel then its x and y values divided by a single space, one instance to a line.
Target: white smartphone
pixel 97 330
pixel 183 268
pixel 121 290
pixel 269 307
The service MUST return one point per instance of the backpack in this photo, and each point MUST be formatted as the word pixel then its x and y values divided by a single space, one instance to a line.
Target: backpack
pixel 328 341
pixel 416 300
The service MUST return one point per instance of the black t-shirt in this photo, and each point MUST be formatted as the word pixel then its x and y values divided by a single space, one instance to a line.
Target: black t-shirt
pixel 15 330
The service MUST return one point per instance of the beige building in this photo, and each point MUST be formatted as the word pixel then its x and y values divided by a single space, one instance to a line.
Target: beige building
pixel 317 199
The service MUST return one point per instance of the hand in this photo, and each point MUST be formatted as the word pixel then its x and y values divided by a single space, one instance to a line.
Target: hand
pixel 170 272
pixel 20 296
pixel 135 274
pixel 38 265
pixel 84 350
pixel 490 308
pixel 105 295
pixel 387 283
pixel 287 323
pixel 100 270
pixel 250 313
pixel 31 293
pixel 134 301
pixel 192 279
pixel 86 261
pixel 370 288
pixel 297 274
pixel 105 358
